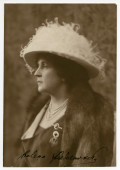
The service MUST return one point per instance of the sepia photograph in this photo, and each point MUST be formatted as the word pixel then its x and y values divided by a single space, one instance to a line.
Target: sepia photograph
pixel 60 85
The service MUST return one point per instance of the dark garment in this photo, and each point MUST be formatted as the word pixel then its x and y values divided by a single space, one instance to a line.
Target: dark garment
pixel 88 129
pixel 40 145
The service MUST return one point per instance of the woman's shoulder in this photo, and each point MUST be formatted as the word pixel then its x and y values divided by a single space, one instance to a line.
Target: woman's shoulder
pixel 35 104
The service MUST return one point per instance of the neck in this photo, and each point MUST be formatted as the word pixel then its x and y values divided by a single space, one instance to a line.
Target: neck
pixel 59 96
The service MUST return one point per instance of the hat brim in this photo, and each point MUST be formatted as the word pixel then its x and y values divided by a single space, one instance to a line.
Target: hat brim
pixel 31 59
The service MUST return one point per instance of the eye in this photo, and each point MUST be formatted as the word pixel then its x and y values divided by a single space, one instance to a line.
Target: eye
pixel 44 64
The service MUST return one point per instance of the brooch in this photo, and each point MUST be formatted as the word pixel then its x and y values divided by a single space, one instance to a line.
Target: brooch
pixel 54 139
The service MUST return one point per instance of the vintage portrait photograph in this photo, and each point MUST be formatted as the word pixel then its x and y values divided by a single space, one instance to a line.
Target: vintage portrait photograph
pixel 59 85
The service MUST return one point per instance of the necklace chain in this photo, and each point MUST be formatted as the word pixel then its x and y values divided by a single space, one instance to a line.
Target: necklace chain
pixel 52 113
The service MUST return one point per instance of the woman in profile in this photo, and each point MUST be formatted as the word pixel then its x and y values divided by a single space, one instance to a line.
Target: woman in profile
pixel 68 124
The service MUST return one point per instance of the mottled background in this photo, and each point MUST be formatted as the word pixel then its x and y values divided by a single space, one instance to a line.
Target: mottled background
pixel 98 23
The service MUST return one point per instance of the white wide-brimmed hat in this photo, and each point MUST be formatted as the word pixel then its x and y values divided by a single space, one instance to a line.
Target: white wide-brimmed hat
pixel 63 40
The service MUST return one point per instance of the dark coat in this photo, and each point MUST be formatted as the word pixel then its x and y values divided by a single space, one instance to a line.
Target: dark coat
pixel 88 128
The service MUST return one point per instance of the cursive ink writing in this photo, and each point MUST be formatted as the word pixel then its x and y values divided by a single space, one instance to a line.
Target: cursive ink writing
pixel 33 155
pixel 88 159
pixel 63 156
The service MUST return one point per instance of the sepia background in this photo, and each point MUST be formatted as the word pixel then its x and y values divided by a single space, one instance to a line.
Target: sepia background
pixel 97 23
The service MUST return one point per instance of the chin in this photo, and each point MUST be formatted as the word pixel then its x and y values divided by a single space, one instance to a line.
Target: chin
pixel 43 90
pixel 40 89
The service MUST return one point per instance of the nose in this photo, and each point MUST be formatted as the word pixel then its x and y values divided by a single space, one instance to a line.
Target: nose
pixel 38 72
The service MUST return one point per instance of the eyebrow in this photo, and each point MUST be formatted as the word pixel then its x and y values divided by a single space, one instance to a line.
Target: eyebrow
pixel 43 61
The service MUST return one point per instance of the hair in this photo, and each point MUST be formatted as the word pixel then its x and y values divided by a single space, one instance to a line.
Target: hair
pixel 72 72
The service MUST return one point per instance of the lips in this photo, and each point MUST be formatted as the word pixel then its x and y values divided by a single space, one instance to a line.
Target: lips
pixel 39 82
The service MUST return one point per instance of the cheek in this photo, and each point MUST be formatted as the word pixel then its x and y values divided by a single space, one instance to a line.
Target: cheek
pixel 52 79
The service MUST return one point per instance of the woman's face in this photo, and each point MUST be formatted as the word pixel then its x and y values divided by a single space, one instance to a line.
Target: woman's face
pixel 47 77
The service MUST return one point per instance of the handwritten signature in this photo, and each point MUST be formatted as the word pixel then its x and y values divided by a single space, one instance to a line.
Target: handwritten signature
pixel 90 159
pixel 61 155
pixel 33 155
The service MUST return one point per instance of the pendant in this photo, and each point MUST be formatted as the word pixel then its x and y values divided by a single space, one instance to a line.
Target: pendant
pixel 54 139
pixel 55 134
